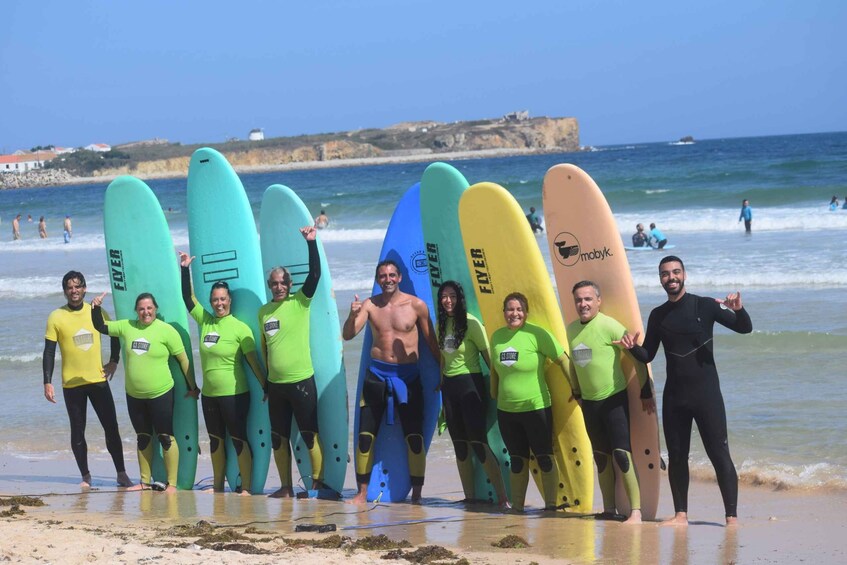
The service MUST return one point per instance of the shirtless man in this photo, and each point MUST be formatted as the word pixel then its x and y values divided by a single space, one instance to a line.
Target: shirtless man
pixel 16 228
pixel 395 319
pixel 68 232
pixel 322 220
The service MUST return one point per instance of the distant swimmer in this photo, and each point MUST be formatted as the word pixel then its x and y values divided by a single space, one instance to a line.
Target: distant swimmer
pixel 29 218
pixel 84 376
pixel 393 379
pixel 657 238
pixel 42 228
pixel 322 220
pixel 16 228
pixel 684 325
pixel 833 204
pixel 534 220
pixel 600 386
pixel 746 215
pixel 67 229
pixel 844 206
pixel 639 238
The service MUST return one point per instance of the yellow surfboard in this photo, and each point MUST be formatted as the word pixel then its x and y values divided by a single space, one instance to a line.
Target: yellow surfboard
pixel 585 245
pixel 503 257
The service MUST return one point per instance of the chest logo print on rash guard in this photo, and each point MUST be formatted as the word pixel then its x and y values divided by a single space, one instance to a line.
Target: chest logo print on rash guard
pixel 140 346
pixel 450 343
pixel 271 326
pixel 581 355
pixel 508 357
pixel 211 338
pixel 83 339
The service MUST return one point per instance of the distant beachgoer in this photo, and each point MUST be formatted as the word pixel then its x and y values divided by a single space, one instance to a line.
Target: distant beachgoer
pixel 29 218
pixel 42 228
pixel 16 228
pixel 658 238
pixel 68 232
pixel 833 204
pixel 639 238
pixel 746 215
pixel 844 206
pixel 534 220
pixel 322 220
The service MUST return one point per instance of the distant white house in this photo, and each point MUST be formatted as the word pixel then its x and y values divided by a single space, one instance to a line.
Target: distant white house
pixel 256 134
pixel 63 150
pixel 22 162
pixel 99 147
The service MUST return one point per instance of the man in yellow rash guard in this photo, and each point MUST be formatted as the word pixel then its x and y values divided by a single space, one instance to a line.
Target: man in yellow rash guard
pixel 84 377
pixel 150 342
pixel 601 385
pixel 224 342
pixel 291 378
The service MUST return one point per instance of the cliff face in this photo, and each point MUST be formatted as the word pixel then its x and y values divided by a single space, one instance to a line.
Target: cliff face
pixel 515 131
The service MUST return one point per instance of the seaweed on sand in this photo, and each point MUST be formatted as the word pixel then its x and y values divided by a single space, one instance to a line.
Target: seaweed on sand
pixel 511 542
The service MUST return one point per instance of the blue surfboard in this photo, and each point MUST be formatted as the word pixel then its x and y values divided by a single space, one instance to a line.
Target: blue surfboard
pixel 404 244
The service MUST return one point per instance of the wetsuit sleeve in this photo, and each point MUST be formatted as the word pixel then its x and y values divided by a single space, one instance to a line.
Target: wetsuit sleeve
pixel 311 283
pixel 97 320
pixel 48 360
pixel 738 322
pixel 187 295
pixel 114 349
pixel 647 351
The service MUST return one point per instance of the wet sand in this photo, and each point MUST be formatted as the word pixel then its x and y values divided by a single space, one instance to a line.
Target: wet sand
pixel 105 524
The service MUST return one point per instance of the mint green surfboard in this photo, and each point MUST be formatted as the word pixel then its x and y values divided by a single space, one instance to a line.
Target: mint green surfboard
pixel 224 242
pixel 281 217
pixel 141 258
pixel 441 188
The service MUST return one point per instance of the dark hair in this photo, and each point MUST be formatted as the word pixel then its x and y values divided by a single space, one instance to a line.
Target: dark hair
pixel 384 263
pixel 286 276
pixel 583 284
pixel 520 298
pixel 671 259
pixel 220 284
pixel 71 275
pixel 145 295
pixel 652 225
pixel 460 314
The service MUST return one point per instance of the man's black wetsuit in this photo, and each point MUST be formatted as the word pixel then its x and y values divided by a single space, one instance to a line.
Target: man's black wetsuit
pixel 692 390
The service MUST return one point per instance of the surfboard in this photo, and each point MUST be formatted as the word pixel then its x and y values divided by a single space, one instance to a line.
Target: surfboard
pixel 404 244
pixel 280 219
pixel 141 258
pixel 223 239
pixel 504 257
pixel 665 248
pixel 585 244
pixel 441 188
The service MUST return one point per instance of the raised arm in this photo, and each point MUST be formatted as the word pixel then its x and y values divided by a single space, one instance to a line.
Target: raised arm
pixel 97 315
pixel 314 276
pixel 356 319
pixel 185 274
pixel 733 316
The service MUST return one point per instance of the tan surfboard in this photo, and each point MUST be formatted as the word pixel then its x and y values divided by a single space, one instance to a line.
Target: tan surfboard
pixel 585 244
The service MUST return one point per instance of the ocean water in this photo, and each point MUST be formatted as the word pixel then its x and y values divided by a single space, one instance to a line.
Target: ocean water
pixel 783 384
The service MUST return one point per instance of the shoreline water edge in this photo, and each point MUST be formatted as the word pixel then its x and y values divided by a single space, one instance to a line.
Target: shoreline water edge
pixel 782 384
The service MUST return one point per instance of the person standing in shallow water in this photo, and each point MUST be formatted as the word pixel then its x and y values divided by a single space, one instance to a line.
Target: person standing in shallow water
pixel 84 377
pixel 42 228
pixel 684 326
pixel 462 340
pixel 746 215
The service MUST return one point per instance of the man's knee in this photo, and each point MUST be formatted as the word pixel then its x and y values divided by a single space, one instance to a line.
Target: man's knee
pixel 516 464
pixel 622 459
pixel 479 449
pixel 365 442
pixel 143 441
pixel 308 439
pixel 461 448
pixel 165 441
pixel 415 443
pixel 545 463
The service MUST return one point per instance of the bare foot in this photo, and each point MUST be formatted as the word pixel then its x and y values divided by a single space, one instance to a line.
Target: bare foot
pixel 139 486
pixel 283 492
pixel 679 519
pixel 361 496
pixel 731 521
pixel 634 517
pixel 504 505
pixel 244 492
pixel 124 480
pixel 416 494
pixel 170 489
pixel 86 481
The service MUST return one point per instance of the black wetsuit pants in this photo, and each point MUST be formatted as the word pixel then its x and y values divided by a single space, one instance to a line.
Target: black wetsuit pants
pixel 523 431
pixel 148 414
pixel 299 399
pixel 224 414
pixel 464 398
pixel 607 423
pixel 76 402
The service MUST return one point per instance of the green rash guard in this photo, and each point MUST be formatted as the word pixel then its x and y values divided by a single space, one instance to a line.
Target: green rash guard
pixel 223 343
pixel 148 350
pixel 465 358
pixel 285 327
pixel 519 358
pixel 596 360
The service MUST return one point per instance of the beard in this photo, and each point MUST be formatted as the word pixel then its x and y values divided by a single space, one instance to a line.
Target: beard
pixel 676 291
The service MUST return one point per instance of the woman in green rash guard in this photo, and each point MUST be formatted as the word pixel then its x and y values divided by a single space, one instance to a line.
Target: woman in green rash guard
pixel 224 341
pixel 519 352
pixel 462 339
pixel 149 385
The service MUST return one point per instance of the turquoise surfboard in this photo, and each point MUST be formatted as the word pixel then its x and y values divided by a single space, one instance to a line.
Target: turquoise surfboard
pixel 404 244
pixel 141 258
pixel 225 244
pixel 280 219
pixel 441 188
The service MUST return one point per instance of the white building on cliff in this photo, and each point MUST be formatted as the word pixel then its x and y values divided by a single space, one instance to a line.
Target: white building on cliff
pixel 256 134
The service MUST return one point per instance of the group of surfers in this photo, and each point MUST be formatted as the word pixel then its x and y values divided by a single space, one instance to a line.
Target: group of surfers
pixel 516 356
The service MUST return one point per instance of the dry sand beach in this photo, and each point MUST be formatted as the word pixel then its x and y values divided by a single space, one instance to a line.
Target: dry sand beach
pixel 106 525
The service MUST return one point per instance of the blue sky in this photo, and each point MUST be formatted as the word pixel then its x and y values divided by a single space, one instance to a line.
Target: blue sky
pixel 73 73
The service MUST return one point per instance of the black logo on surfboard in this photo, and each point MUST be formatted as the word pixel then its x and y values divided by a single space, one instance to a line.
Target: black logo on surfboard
pixel 569 252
